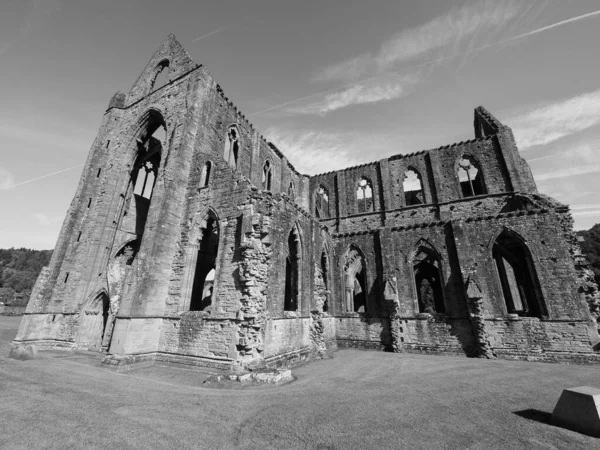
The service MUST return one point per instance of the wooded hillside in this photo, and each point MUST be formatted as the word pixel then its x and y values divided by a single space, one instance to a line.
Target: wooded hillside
pixel 19 268
pixel 591 248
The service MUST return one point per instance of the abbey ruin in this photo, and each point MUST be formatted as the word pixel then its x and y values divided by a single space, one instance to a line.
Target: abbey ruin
pixel 192 239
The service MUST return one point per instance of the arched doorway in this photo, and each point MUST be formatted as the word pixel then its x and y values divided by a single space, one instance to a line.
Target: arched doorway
pixel 93 322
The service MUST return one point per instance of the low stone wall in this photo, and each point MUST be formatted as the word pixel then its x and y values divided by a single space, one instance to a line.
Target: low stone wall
pixel 9 310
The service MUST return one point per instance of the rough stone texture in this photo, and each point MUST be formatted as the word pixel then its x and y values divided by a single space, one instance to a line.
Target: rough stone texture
pixel 142 252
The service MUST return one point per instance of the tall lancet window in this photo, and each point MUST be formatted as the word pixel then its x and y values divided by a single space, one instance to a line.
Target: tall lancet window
pixel 364 195
pixel 232 146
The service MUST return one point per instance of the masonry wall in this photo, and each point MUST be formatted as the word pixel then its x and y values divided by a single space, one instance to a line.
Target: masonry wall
pixel 246 322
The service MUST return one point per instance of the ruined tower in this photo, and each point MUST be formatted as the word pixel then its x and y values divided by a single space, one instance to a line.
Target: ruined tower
pixel 191 239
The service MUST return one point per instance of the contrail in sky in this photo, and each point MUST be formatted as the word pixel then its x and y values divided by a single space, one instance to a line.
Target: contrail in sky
pixel 444 58
pixel 210 34
pixel 45 176
pixel 554 25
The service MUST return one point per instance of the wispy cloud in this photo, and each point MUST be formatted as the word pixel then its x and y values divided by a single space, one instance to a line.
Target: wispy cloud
pixel 549 122
pixel 568 172
pixel 354 68
pixel 7 180
pixel 314 152
pixel 447 31
pixel 48 221
pixel 356 94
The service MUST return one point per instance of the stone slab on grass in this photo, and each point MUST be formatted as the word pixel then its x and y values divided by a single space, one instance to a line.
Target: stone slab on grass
pixel 578 409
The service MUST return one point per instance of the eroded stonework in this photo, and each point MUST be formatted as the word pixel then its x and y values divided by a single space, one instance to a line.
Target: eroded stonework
pixel 192 239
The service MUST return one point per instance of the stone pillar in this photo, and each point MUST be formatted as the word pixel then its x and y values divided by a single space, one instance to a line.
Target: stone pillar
pixel 390 296
pixel 475 304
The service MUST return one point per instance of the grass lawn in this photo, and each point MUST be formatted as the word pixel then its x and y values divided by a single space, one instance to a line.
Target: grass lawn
pixel 357 400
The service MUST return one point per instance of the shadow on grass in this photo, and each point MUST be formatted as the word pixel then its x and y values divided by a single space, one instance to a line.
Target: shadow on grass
pixel 535 414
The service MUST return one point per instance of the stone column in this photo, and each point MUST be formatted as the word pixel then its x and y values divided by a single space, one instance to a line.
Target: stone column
pixel 475 304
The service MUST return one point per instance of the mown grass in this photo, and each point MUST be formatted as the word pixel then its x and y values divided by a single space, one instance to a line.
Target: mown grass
pixel 357 400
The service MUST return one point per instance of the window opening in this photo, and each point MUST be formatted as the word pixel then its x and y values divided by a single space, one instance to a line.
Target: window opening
pixel 98 174
pixel 322 203
pixel 145 180
pixel 355 282
pixel 205 175
pixel 204 276
pixel 470 177
pixel 364 196
pixel 291 191
pixel 79 236
pixel 292 273
pixel 325 274
pixel 518 278
pixel 144 174
pixel 266 178
pixel 66 277
pixel 161 135
pixel 428 282
pixel 232 146
pixel 413 188
pixel 107 143
pixel 160 78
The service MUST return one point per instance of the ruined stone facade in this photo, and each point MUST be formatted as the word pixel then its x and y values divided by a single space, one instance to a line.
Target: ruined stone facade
pixel 192 239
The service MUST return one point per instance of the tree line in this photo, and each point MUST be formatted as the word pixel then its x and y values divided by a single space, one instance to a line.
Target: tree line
pixel 19 268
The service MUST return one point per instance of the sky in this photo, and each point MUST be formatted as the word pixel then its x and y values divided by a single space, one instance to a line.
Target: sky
pixel 331 83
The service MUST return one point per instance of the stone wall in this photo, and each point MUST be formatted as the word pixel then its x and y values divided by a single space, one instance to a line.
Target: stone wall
pixel 150 289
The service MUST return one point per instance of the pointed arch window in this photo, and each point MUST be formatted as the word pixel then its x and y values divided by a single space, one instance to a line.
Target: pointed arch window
pixel 205 174
pixel 413 188
pixel 291 191
pixel 322 203
pixel 427 268
pixel 160 75
pixel 145 179
pixel 364 195
pixel 232 146
pixel 470 177
pixel 518 277
pixel 144 173
pixel 326 283
pixel 292 272
pixel 204 275
pixel 355 281
pixel 267 176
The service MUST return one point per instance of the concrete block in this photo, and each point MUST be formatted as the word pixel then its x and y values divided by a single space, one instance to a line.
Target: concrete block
pixel 578 409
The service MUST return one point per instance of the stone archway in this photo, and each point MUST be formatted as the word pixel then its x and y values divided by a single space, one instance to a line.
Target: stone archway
pixel 93 322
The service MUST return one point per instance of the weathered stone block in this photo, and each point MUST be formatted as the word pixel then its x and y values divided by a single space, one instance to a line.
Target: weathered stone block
pixel 578 409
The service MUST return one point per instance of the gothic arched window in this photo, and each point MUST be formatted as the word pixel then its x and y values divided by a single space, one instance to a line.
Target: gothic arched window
pixel 470 177
pixel 413 188
pixel 427 269
pixel 205 175
pixel 232 146
pixel 266 177
pixel 517 274
pixel 292 272
pixel 364 195
pixel 322 203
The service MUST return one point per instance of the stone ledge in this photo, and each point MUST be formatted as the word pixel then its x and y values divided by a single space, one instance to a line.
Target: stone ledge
pixel 146 359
